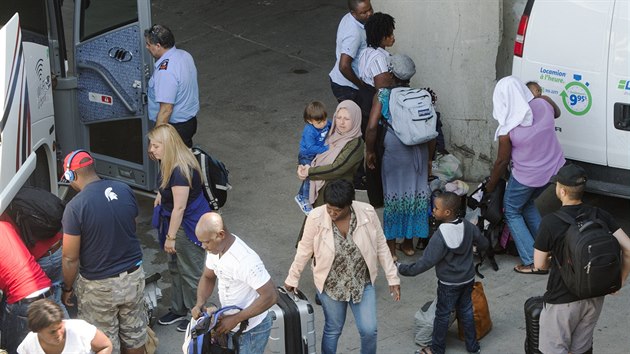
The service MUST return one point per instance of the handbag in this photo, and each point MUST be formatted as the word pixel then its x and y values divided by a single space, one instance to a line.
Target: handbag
pixel 481 313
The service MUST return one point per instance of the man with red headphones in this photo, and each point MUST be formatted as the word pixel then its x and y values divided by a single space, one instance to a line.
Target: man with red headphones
pixel 99 234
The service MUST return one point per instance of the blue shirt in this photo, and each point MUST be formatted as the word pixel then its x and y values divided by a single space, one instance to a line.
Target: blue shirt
pixel 178 179
pixel 313 140
pixel 351 40
pixel 104 214
pixel 174 81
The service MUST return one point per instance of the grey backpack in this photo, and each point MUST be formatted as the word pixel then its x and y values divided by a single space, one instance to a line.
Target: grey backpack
pixel 414 119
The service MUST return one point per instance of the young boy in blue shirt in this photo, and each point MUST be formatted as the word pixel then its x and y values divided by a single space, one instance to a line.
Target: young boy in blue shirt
pixel 312 143
pixel 450 250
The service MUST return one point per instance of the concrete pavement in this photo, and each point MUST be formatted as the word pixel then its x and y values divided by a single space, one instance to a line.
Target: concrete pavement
pixel 259 63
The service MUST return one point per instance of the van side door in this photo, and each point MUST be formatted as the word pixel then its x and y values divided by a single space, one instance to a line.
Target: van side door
pixel 112 67
pixel 618 105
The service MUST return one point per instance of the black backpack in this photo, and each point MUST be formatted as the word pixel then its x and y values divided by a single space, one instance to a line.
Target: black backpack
pixel 591 264
pixel 37 213
pixel 214 177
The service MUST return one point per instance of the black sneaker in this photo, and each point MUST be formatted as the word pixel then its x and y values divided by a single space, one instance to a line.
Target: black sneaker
pixel 170 318
pixel 182 326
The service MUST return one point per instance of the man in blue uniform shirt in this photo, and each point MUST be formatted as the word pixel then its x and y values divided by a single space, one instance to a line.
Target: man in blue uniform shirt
pixel 173 91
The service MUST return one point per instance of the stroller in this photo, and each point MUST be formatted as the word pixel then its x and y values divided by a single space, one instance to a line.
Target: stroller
pixel 491 210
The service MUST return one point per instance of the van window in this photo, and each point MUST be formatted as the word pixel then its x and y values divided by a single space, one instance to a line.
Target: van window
pixel 101 16
pixel 584 44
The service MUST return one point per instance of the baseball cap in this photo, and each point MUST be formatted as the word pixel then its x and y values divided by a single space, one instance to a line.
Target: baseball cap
pixel 402 66
pixel 79 158
pixel 570 175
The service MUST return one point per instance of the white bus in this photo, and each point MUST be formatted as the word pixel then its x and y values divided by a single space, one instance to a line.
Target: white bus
pixel 98 103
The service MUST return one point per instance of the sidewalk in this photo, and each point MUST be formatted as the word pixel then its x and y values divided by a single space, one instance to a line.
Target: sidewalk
pixel 259 63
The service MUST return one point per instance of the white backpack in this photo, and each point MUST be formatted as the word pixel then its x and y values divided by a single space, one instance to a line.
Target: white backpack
pixel 413 116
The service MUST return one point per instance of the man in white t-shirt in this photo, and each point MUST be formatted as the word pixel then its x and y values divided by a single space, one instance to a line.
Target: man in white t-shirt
pixel 243 282
pixel 344 79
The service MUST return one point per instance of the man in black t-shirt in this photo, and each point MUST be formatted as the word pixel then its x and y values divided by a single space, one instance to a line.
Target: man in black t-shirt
pixel 566 322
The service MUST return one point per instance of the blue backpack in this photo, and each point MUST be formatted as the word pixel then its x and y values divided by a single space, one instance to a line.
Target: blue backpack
pixel 203 339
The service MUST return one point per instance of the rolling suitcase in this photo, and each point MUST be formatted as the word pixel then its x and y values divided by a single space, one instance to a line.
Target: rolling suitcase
pixel 293 328
pixel 533 307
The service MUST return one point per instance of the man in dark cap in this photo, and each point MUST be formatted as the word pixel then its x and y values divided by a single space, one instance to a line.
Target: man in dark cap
pixel 567 322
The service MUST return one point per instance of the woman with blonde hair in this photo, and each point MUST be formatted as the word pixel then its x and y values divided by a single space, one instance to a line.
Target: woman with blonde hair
pixel 178 206
pixel 51 333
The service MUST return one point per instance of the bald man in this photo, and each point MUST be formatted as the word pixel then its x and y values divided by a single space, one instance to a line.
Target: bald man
pixel 243 281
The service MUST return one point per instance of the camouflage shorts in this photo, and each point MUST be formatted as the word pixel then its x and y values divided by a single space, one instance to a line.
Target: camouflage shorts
pixel 116 307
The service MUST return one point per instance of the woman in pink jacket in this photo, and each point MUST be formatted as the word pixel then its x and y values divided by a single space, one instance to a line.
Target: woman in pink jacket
pixel 345 239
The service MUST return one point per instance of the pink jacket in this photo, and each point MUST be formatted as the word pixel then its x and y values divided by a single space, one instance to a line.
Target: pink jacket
pixel 318 241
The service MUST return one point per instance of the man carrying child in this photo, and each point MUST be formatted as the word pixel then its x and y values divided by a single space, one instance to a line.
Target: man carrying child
pixel 450 250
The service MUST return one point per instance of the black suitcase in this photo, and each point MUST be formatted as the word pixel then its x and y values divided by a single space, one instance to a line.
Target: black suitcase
pixel 533 307
pixel 293 328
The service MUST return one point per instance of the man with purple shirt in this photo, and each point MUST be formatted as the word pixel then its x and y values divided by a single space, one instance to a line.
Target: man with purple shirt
pixel 527 139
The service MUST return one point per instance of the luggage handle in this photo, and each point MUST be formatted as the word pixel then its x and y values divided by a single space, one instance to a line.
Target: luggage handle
pixel 295 296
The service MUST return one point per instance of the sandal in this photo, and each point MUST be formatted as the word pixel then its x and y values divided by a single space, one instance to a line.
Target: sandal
pixel 529 269
pixel 424 350
pixel 408 251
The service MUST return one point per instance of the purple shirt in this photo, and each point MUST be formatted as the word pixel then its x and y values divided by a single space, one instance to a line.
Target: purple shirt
pixel 536 151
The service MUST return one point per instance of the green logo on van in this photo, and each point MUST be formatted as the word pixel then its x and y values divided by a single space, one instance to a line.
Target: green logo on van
pixel 576 97
pixel 624 85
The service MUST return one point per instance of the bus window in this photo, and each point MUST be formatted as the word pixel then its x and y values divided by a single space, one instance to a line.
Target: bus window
pixel 120 139
pixel 33 20
pixel 101 16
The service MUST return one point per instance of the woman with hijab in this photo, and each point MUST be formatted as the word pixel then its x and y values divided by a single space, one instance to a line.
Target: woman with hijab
pixel 527 142
pixel 177 208
pixel 405 169
pixel 345 152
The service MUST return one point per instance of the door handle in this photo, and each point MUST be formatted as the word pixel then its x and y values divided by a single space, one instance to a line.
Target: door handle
pixel 622 116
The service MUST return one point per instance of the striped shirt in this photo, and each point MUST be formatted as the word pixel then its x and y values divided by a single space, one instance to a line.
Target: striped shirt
pixel 372 62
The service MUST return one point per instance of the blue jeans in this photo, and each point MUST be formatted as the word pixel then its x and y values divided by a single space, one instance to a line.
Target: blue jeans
pixel 343 93
pixel 306 184
pixel 364 315
pixel 255 340
pixel 51 265
pixel 14 325
pixel 449 298
pixel 522 216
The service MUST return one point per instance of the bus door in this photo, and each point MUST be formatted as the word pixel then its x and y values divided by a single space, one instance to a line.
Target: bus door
pixel 113 68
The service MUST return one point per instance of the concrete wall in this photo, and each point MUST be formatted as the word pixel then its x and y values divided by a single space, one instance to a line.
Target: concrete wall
pixel 460 49
pixel 511 16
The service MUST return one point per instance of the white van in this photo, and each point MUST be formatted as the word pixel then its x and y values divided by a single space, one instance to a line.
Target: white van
pixel 578 51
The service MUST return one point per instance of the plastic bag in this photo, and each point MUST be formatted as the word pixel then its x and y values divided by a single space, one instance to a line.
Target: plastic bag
pixel 447 167
pixel 424 323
